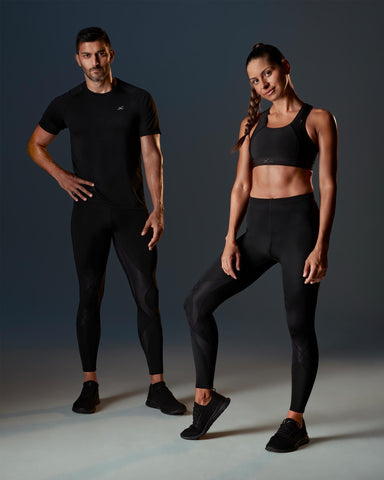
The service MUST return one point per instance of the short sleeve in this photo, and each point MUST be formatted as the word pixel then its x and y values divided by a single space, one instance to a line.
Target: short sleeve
pixel 149 121
pixel 53 120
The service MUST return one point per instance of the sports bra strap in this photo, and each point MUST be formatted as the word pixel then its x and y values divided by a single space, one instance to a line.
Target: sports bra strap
pixel 298 123
pixel 301 118
pixel 262 121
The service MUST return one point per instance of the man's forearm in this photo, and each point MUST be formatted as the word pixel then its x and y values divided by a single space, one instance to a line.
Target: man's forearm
pixel 153 165
pixel 37 150
pixel 43 159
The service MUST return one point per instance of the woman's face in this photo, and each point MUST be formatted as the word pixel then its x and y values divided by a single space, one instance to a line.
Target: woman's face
pixel 268 79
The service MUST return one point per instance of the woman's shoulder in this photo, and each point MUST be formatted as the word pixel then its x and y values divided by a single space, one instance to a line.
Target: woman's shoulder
pixel 321 118
pixel 245 123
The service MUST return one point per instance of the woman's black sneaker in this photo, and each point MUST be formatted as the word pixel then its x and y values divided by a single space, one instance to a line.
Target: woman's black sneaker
pixel 204 416
pixel 288 438
pixel 159 396
pixel 88 399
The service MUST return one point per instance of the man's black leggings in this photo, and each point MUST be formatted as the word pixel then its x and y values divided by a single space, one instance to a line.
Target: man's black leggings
pixel 94 224
pixel 281 231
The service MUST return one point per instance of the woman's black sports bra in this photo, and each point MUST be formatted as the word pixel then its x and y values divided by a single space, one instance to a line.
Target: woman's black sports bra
pixel 289 145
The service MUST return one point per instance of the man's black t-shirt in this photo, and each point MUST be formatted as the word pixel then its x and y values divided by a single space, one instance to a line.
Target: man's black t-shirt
pixel 105 131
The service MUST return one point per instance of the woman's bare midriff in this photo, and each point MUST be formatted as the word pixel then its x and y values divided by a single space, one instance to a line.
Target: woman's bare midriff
pixel 280 181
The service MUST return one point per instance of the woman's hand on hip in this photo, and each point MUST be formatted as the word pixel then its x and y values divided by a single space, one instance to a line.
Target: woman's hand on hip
pixel 230 259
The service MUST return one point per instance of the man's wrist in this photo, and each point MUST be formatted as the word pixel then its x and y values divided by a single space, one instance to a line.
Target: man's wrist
pixel 56 172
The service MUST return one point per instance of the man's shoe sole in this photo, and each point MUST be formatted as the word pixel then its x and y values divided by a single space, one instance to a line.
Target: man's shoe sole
pixel 151 404
pixel 301 442
pixel 215 415
pixel 83 410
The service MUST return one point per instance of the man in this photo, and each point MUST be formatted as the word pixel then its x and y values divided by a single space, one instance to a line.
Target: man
pixel 111 124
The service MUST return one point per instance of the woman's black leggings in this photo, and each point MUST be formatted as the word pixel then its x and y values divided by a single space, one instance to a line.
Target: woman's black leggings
pixel 94 224
pixel 281 231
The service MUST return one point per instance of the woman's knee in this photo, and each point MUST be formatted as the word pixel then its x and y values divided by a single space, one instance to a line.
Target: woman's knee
pixel 301 328
pixel 198 309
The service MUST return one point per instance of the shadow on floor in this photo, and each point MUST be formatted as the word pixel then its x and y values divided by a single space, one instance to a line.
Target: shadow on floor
pixel 239 431
pixel 371 433
pixel 107 401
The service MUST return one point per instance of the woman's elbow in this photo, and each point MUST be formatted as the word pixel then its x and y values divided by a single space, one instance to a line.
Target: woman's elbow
pixel 328 187
pixel 241 191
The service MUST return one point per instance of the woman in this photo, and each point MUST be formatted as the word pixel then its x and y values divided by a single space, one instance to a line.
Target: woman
pixel 277 151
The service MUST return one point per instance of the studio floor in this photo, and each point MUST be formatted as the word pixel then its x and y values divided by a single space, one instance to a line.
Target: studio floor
pixel 42 439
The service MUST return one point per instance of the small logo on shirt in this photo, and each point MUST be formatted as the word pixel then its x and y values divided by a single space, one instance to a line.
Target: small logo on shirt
pixel 122 107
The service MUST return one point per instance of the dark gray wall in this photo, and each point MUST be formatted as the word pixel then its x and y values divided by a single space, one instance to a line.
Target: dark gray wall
pixel 190 56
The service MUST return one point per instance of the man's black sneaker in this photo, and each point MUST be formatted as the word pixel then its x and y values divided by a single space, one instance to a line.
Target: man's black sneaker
pixel 288 438
pixel 159 396
pixel 88 399
pixel 204 416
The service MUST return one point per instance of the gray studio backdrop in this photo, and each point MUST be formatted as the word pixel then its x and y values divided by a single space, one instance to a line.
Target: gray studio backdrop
pixel 190 56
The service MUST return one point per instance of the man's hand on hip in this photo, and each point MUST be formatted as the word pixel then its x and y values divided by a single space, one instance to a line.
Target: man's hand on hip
pixel 74 185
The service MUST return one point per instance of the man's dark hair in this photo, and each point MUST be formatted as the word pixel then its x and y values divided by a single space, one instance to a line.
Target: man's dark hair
pixel 91 34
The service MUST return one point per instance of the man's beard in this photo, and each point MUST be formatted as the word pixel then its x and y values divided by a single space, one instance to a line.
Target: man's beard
pixel 98 76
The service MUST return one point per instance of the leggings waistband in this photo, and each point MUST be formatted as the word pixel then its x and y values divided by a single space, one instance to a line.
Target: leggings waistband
pixel 281 202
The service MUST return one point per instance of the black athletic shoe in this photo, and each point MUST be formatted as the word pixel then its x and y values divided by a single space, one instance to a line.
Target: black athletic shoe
pixel 159 396
pixel 288 438
pixel 88 399
pixel 204 416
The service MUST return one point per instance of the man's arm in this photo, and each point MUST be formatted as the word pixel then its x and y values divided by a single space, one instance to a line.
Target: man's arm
pixel 37 150
pixel 153 166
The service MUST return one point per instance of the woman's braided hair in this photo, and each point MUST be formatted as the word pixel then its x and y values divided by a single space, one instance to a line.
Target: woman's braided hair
pixel 274 56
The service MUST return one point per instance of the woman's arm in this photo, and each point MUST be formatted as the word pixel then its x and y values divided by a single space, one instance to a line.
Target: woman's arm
pixel 239 201
pixel 316 264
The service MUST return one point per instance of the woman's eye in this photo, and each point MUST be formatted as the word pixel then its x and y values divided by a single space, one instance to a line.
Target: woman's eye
pixel 268 73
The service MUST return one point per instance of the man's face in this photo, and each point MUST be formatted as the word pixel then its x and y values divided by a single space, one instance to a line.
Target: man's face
pixel 95 59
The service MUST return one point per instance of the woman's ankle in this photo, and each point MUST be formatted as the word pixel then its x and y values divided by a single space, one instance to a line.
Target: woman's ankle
pixel 203 396
pixel 298 417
